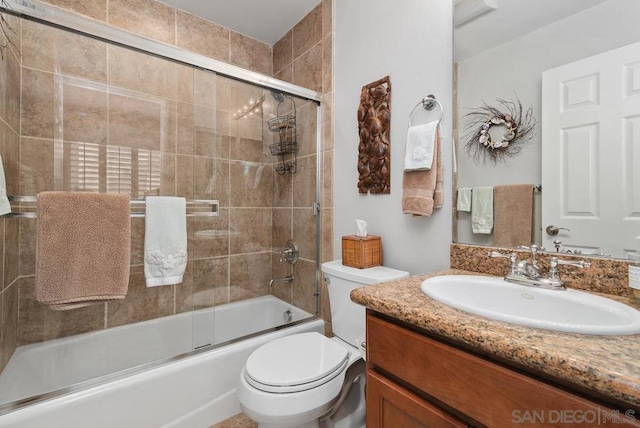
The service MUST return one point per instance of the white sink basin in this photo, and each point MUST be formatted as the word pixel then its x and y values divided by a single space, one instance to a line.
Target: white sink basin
pixel 569 311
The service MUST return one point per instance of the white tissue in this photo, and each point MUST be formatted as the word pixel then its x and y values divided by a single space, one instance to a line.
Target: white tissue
pixel 362 228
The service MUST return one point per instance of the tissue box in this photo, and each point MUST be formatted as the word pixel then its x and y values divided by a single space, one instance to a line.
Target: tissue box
pixel 361 252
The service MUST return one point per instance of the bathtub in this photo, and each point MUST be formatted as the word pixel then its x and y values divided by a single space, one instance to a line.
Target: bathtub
pixel 182 388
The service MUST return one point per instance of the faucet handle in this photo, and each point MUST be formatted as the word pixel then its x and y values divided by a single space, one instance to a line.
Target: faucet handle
pixel 512 258
pixel 580 264
pixel 554 262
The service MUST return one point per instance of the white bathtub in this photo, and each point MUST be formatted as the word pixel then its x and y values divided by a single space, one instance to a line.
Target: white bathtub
pixel 191 391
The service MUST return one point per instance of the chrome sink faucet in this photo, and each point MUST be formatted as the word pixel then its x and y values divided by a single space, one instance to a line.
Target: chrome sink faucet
pixel 526 272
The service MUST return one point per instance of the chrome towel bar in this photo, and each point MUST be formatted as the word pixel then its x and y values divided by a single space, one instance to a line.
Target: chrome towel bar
pixel 195 207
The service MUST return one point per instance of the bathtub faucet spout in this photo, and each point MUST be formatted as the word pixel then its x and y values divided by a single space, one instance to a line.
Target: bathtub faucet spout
pixel 288 279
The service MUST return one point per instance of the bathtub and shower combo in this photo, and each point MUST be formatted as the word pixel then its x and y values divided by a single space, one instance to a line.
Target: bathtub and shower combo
pixel 170 357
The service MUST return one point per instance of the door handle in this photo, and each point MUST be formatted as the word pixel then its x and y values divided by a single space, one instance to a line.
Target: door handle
pixel 553 230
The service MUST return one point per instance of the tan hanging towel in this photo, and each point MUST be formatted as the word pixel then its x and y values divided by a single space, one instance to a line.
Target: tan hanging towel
pixel 82 248
pixel 422 190
pixel 513 222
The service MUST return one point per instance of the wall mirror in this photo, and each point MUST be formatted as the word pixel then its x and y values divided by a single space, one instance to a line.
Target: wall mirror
pixel 585 151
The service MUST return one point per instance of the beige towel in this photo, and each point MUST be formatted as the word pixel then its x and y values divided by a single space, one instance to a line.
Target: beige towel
pixel 513 207
pixel 422 190
pixel 82 248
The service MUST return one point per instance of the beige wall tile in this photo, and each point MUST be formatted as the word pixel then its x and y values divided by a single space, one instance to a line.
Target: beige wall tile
pixel 8 323
pixel 286 74
pixel 304 182
pixel 282 227
pixel 304 285
pixel 37 323
pixel 327 179
pixel 327 18
pixel 306 122
pixel 185 128
pixel 198 35
pixel 185 176
pixel 12 92
pixel 11 250
pixel 36 166
pixel 96 9
pixel 27 236
pixel 151 19
pixel 11 160
pixel 142 303
pixel 204 88
pixel 307 32
pixel 249 275
pixel 142 73
pixel 211 178
pixel 283 52
pixel 211 235
pixel 307 68
pixel 136 122
pixel 185 83
pixel 327 64
pixel 282 189
pixel 85 113
pixel 205 132
pixel 54 50
pixel 246 149
pixel 327 125
pixel 250 54
pixel 253 228
pixel 210 283
pixel 251 185
pixel 304 232
pixel 184 290
pixel 38 104
pixel 168 186
pixel 326 243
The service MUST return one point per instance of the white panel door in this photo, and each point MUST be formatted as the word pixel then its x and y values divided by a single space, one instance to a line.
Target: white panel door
pixel 591 152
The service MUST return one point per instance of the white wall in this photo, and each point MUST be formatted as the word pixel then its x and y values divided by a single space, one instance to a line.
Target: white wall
pixel 411 41
pixel 517 66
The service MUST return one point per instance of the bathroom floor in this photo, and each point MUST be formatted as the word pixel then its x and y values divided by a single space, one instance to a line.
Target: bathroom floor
pixel 237 421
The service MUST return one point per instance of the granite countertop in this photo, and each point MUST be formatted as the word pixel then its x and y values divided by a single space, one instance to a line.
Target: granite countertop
pixel 606 365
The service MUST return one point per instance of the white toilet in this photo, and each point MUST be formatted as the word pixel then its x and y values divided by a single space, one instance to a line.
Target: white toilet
pixel 295 380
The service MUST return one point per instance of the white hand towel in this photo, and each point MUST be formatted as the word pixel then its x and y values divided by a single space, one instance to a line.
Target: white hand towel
pixel 5 206
pixel 418 153
pixel 482 209
pixel 464 199
pixel 165 240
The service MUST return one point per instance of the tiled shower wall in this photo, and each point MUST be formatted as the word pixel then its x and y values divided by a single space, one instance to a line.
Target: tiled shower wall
pixel 116 98
pixel 304 56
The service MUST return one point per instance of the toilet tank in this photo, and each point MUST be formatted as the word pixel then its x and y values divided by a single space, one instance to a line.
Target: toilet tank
pixel 348 318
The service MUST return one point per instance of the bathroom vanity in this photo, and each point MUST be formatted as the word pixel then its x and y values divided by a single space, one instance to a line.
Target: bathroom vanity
pixel 431 365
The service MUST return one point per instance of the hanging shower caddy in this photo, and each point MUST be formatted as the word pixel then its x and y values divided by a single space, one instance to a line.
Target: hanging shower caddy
pixel 286 149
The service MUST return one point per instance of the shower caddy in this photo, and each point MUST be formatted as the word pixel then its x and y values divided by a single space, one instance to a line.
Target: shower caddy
pixel 286 149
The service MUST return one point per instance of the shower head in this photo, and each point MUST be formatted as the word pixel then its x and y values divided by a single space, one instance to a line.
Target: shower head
pixel 278 96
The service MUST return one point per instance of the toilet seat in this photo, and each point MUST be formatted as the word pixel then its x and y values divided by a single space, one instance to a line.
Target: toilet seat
pixel 295 363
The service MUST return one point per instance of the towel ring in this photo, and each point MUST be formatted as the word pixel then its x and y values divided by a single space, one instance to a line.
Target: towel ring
pixel 428 103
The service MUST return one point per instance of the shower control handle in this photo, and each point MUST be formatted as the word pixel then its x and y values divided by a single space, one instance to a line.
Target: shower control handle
pixel 290 253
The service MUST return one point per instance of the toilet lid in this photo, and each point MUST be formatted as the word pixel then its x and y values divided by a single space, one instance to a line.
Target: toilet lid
pixel 295 363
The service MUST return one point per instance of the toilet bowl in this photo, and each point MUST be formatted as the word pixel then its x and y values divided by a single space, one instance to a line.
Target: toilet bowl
pixel 298 380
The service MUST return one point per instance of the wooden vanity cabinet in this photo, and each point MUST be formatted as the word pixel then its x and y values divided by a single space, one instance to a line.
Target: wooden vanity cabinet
pixel 408 373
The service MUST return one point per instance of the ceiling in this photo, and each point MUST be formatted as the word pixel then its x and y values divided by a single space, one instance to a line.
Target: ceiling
pixel 264 20
pixel 512 19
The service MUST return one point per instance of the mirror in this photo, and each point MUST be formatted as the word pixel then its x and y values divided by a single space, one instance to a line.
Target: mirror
pixel 501 52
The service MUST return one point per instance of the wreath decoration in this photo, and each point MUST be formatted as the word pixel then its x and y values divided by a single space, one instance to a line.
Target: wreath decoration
pixel 519 131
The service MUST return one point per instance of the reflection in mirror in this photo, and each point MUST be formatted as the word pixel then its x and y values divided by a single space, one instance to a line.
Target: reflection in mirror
pixel 566 61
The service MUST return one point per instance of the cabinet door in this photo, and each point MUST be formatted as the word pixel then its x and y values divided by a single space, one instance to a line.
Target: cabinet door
pixel 391 406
